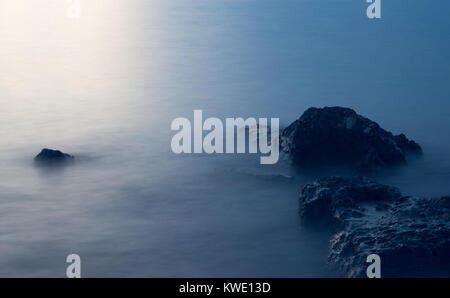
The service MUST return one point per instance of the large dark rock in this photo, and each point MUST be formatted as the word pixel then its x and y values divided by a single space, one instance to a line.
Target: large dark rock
pixel 411 235
pixel 337 135
pixel 52 157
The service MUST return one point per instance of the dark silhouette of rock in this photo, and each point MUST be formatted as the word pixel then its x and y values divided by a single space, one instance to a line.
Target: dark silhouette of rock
pixel 337 135
pixel 52 157
pixel 411 235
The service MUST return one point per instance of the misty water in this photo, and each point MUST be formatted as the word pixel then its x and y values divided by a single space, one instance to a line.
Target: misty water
pixel 106 87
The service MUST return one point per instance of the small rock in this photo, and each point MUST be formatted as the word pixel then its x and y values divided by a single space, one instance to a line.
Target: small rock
pixel 53 157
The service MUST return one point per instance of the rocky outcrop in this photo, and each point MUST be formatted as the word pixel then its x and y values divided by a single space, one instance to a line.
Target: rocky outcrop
pixel 337 135
pixel 411 235
pixel 52 157
pixel 334 200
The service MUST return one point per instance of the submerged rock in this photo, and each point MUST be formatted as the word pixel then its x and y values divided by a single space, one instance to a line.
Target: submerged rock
pixel 52 157
pixel 337 135
pixel 411 235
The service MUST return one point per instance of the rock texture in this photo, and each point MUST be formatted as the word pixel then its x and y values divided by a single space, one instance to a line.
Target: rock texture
pixel 411 235
pixel 334 200
pixel 337 135
pixel 52 157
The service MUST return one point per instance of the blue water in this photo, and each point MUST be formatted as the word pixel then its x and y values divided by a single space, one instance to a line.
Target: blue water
pixel 105 87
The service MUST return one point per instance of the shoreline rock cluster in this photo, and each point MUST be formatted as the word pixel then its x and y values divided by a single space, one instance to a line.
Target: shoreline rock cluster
pixel 411 235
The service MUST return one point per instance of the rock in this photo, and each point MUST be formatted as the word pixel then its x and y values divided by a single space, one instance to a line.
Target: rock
pixel 337 135
pixel 52 157
pixel 411 235
pixel 333 200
